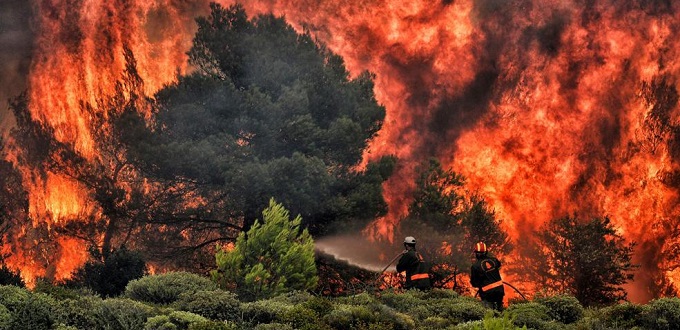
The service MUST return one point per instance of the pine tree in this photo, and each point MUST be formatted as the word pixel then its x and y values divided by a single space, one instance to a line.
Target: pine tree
pixel 273 257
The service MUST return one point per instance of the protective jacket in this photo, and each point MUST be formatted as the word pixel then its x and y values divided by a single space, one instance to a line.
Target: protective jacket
pixel 485 275
pixel 416 269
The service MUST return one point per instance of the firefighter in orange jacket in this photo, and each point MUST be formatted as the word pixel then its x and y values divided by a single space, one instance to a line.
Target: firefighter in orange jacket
pixel 485 276
pixel 412 263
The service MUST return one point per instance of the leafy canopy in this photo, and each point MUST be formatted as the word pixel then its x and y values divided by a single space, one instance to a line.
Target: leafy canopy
pixel 273 257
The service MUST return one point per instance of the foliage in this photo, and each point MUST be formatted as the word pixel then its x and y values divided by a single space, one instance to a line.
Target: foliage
pixel 214 304
pixel 167 288
pixel 81 312
pixel 124 314
pixel 447 221
pixel 530 314
pixel 587 259
pixel 625 315
pixel 269 113
pixel 273 257
pixel 663 313
pixel 108 276
pixel 563 308
pixel 29 311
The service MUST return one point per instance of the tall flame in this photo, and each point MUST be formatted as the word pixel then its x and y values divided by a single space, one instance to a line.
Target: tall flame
pixel 548 108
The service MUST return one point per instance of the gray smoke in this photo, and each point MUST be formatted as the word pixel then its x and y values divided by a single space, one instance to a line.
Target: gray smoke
pixel 16 40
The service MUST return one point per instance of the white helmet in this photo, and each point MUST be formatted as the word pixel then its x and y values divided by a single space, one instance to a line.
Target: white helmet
pixel 410 240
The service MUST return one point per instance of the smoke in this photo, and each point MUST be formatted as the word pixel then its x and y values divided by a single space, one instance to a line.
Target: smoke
pixel 16 39
pixel 360 251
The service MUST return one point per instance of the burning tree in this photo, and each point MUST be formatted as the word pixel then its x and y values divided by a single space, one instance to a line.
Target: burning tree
pixel 587 259
pixel 448 221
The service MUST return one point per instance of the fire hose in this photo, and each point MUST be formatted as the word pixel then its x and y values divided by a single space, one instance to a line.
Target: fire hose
pixel 513 287
pixel 391 262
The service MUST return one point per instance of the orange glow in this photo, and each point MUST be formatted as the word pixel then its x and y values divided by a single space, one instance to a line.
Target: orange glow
pixel 537 103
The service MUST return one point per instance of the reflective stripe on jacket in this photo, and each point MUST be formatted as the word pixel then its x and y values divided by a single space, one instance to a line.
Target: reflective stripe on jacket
pixel 492 285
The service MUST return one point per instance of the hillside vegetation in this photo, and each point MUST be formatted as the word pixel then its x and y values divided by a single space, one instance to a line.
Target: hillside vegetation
pixel 188 301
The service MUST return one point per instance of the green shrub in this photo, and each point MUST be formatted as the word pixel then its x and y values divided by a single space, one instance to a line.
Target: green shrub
pixel 321 305
pixel 5 317
pixel 437 293
pixel 13 296
pixel 293 297
pixel 563 308
pixel 65 327
pixel 57 292
pixel 166 288
pixel 273 326
pixel 357 299
pixel 30 311
pixel 263 311
pixel 370 316
pixel 401 302
pixel 663 313
pixel 435 322
pixel 159 322
pixel 458 310
pixel 82 313
pixel 124 314
pixel 215 305
pixel 300 317
pixel 211 325
pixel 530 314
pixel 625 315
pixel 469 325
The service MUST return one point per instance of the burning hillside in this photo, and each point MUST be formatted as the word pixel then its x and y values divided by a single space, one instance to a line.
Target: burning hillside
pixel 547 108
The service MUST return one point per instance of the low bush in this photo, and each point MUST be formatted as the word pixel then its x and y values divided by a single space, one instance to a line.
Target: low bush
pixel 30 311
pixel 401 302
pixel 530 314
pixel 625 315
pixel 10 277
pixel 124 314
pixel 166 288
pixel 563 308
pixel 159 322
pixel 662 313
pixel 273 326
pixel 320 305
pixel 435 322
pixel 215 305
pixel 212 325
pixel 5 317
pixel 264 311
pixel 346 316
pixel 301 317
pixel 83 313
pixel 457 310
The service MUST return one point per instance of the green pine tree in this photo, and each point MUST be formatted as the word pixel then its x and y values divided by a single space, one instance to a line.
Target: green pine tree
pixel 273 257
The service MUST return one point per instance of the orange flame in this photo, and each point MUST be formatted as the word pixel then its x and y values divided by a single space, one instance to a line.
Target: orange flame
pixel 537 103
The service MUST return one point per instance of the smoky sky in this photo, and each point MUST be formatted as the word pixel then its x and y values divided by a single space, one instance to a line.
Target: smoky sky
pixel 15 52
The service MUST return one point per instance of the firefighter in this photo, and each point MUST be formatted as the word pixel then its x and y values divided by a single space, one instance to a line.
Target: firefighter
pixel 412 263
pixel 485 276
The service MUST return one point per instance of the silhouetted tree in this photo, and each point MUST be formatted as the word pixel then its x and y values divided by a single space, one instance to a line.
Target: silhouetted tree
pixel 586 259
pixel 108 276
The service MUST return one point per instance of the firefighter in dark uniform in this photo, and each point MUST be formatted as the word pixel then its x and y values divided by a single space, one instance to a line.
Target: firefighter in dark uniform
pixel 412 263
pixel 485 276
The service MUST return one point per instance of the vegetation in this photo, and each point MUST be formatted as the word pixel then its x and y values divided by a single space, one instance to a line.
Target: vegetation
pixel 447 221
pixel 273 257
pixel 437 309
pixel 587 259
